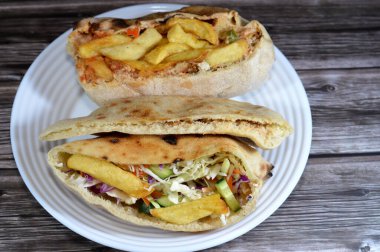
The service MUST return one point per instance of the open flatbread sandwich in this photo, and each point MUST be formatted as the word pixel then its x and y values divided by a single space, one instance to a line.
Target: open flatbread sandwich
pixel 171 53
pixel 169 162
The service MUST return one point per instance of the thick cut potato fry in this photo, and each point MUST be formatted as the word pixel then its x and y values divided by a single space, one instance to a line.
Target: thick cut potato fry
pixel 109 174
pixel 177 35
pixel 163 41
pixel 227 54
pixel 188 212
pixel 149 38
pixel 129 51
pixel 135 49
pixel 161 52
pixel 202 29
pixel 91 48
pixel 191 55
pixel 145 66
pixel 100 68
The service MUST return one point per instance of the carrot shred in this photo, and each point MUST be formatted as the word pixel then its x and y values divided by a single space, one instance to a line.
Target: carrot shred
pixel 133 32
pixel 156 194
pixel 236 171
pixel 229 182
pixel 146 201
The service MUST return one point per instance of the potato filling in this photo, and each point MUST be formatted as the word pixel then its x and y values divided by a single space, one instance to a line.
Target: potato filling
pixel 212 185
pixel 183 44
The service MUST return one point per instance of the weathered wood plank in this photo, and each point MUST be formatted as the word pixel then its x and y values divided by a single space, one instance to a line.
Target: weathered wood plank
pixel 345 117
pixel 277 18
pixel 334 206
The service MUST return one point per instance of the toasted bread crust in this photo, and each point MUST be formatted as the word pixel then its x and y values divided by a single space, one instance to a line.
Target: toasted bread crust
pixel 161 115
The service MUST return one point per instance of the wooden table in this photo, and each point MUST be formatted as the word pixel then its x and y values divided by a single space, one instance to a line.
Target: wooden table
pixel 335 48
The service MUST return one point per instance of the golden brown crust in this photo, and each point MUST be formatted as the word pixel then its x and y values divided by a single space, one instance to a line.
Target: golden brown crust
pixel 152 149
pixel 161 115
pixel 227 81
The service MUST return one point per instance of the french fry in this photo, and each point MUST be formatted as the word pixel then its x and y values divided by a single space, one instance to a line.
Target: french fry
pixel 177 35
pixel 202 29
pixel 163 41
pixel 227 54
pixel 161 52
pixel 188 212
pixel 149 38
pixel 135 49
pixel 100 68
pixel 92 48
pixel 193 55
pixel 109 174
pixel 146 67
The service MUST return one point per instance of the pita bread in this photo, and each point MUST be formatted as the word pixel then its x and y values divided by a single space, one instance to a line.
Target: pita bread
pixel 184 78
pixel 162 115
pixel 123 149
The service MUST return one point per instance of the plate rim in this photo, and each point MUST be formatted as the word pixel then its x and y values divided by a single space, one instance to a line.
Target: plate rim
pixel 66 223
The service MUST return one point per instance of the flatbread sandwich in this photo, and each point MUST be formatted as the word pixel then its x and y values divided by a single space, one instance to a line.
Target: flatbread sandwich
pixel 171 53
pixel 190 179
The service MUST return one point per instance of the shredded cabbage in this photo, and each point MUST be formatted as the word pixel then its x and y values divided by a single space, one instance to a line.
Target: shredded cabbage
pixel 183 172
pixel 187 172
pixel 116 193
pixel 185 190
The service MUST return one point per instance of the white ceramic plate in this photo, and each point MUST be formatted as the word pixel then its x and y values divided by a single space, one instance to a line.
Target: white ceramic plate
pixel 49 92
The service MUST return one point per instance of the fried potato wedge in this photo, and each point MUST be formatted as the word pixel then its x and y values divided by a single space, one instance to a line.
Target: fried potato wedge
pixel 177 35
pixel 188 212
pixel 163 41
pixel 145 66
pixel 159 53
pixel 100 68
pixel 92 48
pixel 129 51
pixel 227 54
pixel 191 55
pixel 135 49
pixel 109 174
pixel 149 38
pixel 202 29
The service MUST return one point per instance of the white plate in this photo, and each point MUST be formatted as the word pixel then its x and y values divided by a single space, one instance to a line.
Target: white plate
pixel 49 92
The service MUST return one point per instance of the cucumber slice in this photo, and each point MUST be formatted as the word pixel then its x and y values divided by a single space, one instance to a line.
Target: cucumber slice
pixel 225 166
pixel 163 172
pixel 227 194
pixel 153 203
pixel 164 201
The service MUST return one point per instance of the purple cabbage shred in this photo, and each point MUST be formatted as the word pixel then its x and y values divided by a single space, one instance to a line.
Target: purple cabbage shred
pixel 244 178
pixel 151 180
pixel 105 188
pixel 88 178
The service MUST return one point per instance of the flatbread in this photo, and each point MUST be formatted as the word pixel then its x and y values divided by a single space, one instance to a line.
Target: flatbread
pixel 136 149
pixel 162 115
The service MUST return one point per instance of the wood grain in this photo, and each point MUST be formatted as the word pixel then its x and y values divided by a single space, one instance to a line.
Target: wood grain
pixel 333 46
